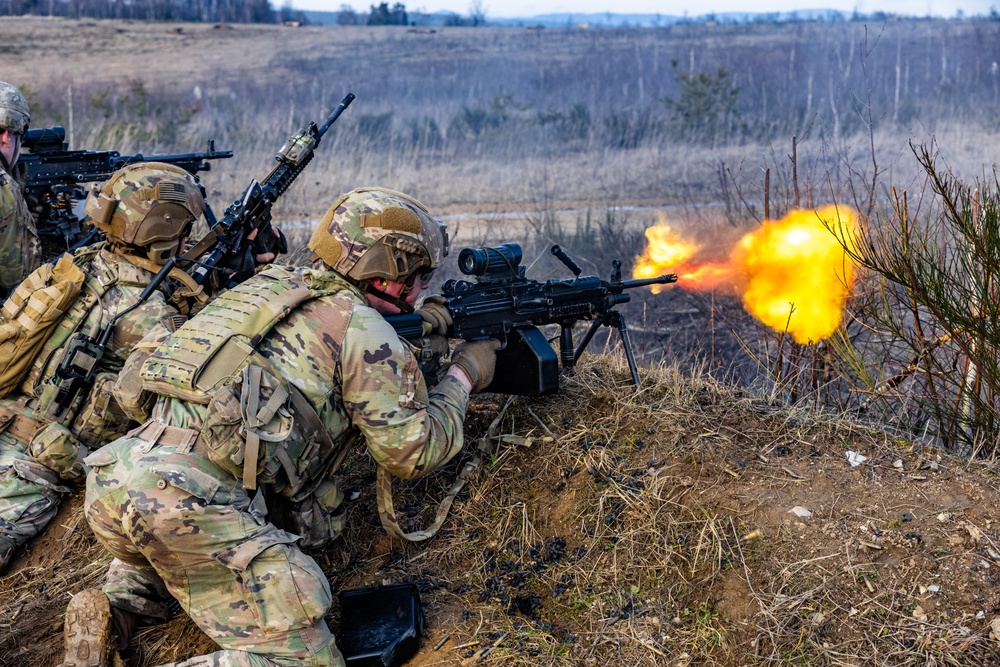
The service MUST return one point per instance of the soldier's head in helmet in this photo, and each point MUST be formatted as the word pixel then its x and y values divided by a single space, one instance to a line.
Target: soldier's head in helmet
pixel 383 242
pixel 14 119
pixel 147 209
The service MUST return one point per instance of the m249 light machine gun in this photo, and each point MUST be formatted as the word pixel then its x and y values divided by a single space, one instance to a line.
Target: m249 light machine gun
pixel 53 178
pixel 505 305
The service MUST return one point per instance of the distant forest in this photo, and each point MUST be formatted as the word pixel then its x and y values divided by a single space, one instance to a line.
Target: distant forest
pixel 384 13
pixel 209 11
pixel 212 11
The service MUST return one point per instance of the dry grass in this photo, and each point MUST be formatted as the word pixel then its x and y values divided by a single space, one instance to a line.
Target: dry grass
pixel 647 528
pixel 154 86
pixel 654 527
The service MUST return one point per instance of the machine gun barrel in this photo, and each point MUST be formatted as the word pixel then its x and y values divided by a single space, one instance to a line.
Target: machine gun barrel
pixel 643 282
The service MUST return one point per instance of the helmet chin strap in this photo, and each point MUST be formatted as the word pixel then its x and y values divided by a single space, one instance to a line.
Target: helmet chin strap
pixel 398 301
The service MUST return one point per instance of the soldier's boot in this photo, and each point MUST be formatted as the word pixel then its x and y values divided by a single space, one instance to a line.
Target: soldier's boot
pixel 125 622
pixel 6 552
pixel 88 630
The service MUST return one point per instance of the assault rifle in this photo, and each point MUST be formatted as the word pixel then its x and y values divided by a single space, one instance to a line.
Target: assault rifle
pixel 53 178
pixel 505 305
pixel 231 244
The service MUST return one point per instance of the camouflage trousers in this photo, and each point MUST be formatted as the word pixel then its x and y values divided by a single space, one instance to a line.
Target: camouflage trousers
pixel 176 521
pixel 29 497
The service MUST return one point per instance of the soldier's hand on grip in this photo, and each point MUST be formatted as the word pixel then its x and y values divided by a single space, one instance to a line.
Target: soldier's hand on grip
pixel 479 360
pixel 435 315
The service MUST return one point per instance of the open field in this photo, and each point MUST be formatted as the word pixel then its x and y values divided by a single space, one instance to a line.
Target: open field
pixel 481 120
pixel 690 522
pixel 532 135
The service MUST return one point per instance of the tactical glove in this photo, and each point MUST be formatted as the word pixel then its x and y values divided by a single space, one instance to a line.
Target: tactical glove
pixel 479 360
pixel 271 240
pixel 435 315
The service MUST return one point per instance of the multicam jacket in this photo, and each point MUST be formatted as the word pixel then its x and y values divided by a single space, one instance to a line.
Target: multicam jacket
pixel 20 250
pixel 342 357
pixel 113 284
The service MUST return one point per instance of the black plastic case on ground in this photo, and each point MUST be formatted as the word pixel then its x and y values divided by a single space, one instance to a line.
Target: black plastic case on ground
pixel 380 627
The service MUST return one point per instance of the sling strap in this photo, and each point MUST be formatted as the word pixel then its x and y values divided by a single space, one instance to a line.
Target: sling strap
pixel 383 489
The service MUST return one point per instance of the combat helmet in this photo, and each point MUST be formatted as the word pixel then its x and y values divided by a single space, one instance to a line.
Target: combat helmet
pixel 148 207
pixel 378 233
pixel 14 114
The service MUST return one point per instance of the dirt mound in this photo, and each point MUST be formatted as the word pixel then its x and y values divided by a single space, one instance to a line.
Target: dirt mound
pixel 683 524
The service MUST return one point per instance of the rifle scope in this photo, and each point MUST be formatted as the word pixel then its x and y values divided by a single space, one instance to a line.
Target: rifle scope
pixel 501 259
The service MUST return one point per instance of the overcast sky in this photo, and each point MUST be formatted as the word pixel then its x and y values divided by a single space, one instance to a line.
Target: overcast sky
pixel 514 8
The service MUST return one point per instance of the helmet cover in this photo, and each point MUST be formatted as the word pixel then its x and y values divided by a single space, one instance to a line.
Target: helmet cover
pixel 14 114
pixel 150 205
pixel 379 233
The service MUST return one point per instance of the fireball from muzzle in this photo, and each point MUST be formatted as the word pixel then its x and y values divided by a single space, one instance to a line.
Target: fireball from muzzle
pixel 792 274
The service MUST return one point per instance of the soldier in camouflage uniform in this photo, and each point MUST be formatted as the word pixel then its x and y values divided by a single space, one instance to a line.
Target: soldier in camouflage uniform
pixel 146 210
pixel 20 251
pixel 259 396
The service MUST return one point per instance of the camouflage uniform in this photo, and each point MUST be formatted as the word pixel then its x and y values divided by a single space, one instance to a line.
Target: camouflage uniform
pixel 20 250
pixel 168 501
pixel 38 453
pixel 32 469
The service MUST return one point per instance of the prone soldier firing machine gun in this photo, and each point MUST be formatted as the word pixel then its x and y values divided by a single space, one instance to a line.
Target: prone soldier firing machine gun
pixel 505 305
pixel 229 247
pixel 53 178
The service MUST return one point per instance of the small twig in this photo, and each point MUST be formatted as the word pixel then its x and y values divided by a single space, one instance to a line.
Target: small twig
pixel 653 649
pixel 541 423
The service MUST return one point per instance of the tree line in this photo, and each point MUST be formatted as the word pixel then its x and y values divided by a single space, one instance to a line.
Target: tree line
pixel 209 11
pixel 222 11
pixel 396 14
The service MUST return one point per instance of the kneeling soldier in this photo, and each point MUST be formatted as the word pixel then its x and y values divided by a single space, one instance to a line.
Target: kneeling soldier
pixel 145 210
pixel 260 395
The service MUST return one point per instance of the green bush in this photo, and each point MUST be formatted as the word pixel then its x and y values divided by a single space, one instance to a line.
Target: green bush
pixel 705 111
pixel 936 308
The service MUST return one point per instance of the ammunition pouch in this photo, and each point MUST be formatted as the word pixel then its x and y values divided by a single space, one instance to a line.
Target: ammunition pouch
pixel 100 419
pixel 55 447
pixel 319 518
pixel 243 414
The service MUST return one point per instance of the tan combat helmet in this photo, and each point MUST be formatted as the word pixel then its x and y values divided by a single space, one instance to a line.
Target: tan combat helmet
pixel 379 233
pixel 14 114
pixel 148 207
